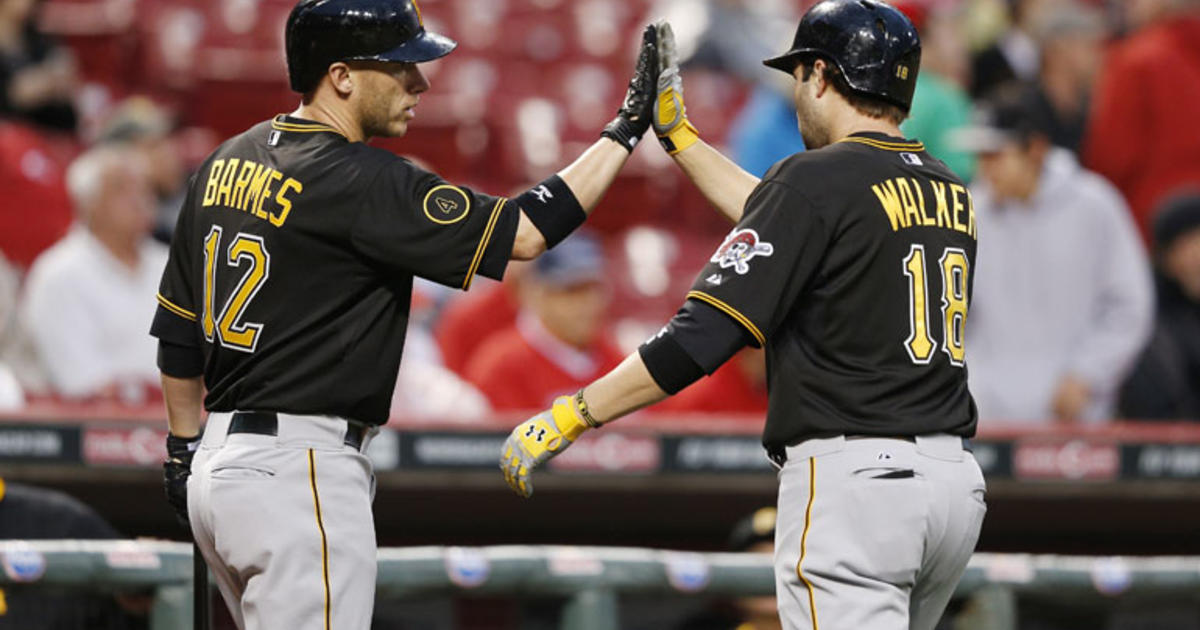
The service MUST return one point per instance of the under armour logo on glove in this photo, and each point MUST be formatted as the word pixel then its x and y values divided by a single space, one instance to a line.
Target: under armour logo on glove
pixel 538 439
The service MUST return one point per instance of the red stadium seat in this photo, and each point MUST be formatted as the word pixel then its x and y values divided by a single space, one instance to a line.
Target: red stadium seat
pixel 36 211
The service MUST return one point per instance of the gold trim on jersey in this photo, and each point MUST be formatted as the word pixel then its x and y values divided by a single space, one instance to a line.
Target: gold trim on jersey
pixel 282 125
pixel 483 242
pixel 812 493
pixel 886 145
pixel 175 308
pixel 732 312
pixel 312 481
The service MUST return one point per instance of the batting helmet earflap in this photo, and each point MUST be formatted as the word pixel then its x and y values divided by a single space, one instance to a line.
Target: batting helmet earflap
pixel 321 32
pixel 873 45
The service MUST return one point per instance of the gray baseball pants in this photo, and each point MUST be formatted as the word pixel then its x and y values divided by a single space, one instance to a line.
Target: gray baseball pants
pixel 874 533
pixel 285 524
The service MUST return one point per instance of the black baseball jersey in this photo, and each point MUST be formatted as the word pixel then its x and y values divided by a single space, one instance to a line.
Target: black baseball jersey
pixel 292 266
pixel 853 266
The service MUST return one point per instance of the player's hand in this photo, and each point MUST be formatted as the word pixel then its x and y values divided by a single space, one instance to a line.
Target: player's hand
pixel 538 439
pixel 176 471
pixel 674 130
pixel 633 118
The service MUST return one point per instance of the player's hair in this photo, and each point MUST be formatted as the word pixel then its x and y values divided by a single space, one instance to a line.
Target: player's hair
pixel 866 105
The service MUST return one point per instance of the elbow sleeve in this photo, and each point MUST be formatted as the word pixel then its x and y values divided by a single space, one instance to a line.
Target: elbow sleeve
pixel 697 341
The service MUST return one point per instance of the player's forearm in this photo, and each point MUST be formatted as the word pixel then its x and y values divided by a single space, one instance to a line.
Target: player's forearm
pixel 624 390
pixel 592 173
pixel 586 179
pixel 720 180
pixel 184 398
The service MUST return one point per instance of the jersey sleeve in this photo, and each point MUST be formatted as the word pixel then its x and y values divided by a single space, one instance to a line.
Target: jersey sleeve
pixel 415 222
pixel 177 319
pixel 761 267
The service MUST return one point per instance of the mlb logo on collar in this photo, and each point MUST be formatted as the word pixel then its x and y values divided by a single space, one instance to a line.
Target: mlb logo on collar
pixel 911 159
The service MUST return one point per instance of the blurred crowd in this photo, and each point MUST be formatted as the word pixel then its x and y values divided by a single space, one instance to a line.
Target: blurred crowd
pixel 1071 119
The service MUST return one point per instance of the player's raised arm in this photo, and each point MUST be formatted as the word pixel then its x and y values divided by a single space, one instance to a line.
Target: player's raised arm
pixel 554 208
pixel 725 184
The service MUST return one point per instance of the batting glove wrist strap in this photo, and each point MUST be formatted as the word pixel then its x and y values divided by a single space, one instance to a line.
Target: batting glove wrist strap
pixel 553 209
pixel 633 118
pixel 581 409
pixel 537 440
pixel 624 132
pixel 182 449
pixel 671 124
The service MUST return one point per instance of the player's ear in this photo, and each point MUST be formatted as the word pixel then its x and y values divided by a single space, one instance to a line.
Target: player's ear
pixel 820 76
pixel 341 78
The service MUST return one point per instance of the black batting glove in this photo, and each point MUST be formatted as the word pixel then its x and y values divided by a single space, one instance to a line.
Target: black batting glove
pixel 176 470
pixel 633 118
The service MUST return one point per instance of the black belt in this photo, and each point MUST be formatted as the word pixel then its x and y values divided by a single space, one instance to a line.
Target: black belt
pixel 267 423
pixel 778 454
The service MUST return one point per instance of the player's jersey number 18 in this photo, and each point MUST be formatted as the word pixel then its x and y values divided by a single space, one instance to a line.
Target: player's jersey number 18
pixel 224 323
pixel 920 344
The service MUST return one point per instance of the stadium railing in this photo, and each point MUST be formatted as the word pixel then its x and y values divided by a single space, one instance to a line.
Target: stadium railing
pixel 590 579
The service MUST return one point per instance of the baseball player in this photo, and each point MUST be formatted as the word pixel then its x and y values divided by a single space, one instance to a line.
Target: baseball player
pixel 851 264
pixel 286 297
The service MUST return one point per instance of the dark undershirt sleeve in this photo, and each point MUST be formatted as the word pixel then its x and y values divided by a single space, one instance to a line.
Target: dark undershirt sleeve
pixel 697 341
pixel 180 361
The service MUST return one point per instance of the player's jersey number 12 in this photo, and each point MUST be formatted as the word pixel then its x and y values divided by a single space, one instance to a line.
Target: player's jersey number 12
pixel 225 324
pixel 920 344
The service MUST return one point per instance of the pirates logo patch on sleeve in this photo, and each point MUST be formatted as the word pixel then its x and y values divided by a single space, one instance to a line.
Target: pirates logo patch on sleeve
pixel 447 204
pixel 739 247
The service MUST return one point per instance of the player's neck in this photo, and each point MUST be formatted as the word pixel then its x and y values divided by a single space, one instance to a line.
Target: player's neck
pixel 853 123
pixel 337 117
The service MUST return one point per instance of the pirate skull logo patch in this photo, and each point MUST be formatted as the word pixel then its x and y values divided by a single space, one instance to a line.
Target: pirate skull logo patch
pixel 739 247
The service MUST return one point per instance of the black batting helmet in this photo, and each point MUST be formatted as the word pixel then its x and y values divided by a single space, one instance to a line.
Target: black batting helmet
pixel 873 45
pixel 321 32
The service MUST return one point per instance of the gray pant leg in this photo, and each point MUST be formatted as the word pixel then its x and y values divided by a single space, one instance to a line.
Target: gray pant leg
pixel 292 534
pixel 848 544
pixel 955 525
pixel 227 582
pixel 858 542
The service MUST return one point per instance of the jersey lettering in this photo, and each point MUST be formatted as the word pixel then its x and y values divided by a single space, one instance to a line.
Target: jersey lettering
pixel 903 202
pixel 247 185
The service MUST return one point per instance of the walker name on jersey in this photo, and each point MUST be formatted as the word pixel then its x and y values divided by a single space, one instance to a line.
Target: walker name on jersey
pixel 908 202
pixel 247 185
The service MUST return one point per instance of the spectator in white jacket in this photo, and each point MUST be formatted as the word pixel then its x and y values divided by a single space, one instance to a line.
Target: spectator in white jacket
pixel 1063 296
pixel 89 298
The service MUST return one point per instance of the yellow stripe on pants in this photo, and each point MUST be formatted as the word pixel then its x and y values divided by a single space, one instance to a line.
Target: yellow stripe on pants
pixel 312 479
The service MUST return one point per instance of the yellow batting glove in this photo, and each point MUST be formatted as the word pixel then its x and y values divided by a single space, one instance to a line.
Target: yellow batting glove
pixel 671 124
pixel 538 439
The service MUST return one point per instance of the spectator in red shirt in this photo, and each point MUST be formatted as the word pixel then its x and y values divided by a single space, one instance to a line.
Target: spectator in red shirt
pixel 738 387
pixel 1143 131
pixel 557 343
pixel 473 317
